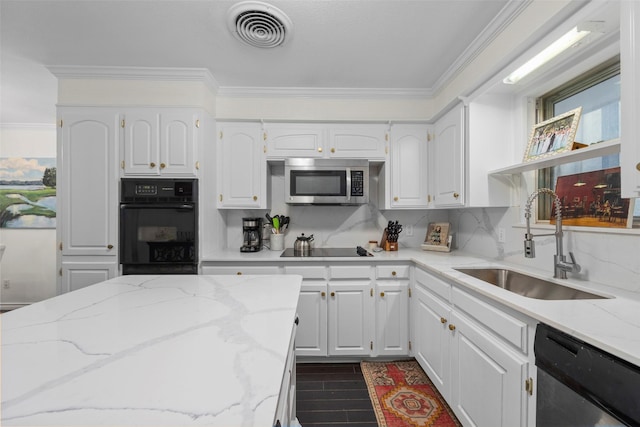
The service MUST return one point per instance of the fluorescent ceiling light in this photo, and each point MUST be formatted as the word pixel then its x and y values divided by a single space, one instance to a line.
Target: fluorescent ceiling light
pixel 557 47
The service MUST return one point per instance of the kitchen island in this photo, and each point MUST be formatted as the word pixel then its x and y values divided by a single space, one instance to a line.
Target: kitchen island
pixel 151 350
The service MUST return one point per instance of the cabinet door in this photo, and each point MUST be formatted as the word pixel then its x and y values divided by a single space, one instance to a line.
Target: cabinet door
pixel 242 167
pixel 294 140
pixel 358 141
pixel 178 143
pixel 77 275
pixel 630 109
pixel 490 378
pixel 351 311
pixel 447 160
pixel 430 318
pixel 311 336
pixel 141 144
pixel 392 317
pixel 87 183
pixel 408 187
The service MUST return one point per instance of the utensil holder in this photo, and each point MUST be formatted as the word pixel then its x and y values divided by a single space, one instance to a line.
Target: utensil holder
pixel 277 242
pixel 390 246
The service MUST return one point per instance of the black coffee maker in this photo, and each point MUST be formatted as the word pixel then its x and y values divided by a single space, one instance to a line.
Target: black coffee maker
pixel 252 234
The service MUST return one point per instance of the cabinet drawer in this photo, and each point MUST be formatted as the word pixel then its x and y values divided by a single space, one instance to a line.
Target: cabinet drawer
pixel 350 272
pixel 392 272
pixel 308 271
pixel 241 270
pixel 509 328
pixel 433 284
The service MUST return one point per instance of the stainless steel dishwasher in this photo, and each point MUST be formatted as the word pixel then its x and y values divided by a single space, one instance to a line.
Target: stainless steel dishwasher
pixel 581 385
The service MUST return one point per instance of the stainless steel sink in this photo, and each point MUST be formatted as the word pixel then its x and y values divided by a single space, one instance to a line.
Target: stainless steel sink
pixel 528 286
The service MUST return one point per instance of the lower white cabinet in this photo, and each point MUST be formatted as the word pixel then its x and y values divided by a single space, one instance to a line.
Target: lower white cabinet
pixel 336 316
pixel 350 318
pixel 286 409
pixel 77 275
pixel 312 312
pixel 480 372
pixel 392 311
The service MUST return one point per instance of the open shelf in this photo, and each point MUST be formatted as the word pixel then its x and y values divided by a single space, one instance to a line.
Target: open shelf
pixel 594 150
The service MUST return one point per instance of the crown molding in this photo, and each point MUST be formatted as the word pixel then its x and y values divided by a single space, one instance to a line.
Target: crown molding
pixel 311 92
pixel 497 25
pixel 136 73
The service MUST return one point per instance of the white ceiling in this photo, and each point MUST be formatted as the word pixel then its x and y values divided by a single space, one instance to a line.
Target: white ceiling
pixel 355 44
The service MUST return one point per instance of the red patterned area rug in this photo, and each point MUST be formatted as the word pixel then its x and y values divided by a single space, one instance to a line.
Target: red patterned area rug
pixel 403 396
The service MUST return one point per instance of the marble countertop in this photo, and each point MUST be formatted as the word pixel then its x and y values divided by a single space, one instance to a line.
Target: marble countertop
pixel 612 325
pixel 150 350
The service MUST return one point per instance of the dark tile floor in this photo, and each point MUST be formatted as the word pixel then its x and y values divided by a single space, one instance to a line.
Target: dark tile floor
pixel 333 394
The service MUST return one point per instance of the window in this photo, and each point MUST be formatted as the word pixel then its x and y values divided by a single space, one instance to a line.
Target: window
pixel 598 93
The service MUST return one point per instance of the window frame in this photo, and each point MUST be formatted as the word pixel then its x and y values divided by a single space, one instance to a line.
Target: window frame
pixel 544 111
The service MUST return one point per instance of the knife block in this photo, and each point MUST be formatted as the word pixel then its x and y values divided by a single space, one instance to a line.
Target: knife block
pixel 390 246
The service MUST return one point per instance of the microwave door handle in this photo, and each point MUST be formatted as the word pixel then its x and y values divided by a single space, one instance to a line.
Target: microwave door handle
pixel 348 184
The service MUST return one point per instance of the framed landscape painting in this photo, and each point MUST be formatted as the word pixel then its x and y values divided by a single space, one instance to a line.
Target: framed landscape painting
pixel 27 192
pixel 553 136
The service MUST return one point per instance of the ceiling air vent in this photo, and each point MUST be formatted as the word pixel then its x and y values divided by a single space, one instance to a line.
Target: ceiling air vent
pixel 259 24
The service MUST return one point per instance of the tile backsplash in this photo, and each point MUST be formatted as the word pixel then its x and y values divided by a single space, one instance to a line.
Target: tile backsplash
pixel 609 258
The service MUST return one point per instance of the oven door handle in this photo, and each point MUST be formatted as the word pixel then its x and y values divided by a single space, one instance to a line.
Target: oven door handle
pixel 183 206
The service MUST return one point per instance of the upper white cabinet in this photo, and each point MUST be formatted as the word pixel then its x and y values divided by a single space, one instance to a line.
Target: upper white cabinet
pixel 362 141
pixel 318 140
pixel 630 97
pixel 87 182
pixel 447 159
pixel 87 228
pixel 242 166
pixel 285 140
pixel 404 177
pixel 160 143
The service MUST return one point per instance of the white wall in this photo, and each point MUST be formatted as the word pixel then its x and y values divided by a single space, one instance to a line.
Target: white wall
pixel 29 261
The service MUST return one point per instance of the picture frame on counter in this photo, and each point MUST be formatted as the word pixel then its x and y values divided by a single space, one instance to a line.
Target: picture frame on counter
pixel 553 136
pixel 438 237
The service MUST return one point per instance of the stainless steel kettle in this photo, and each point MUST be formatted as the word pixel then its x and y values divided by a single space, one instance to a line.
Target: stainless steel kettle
pixel 302 245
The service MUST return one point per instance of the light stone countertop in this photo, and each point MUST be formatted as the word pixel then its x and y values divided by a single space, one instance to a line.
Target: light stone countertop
pixel 150 350
pixel 612 325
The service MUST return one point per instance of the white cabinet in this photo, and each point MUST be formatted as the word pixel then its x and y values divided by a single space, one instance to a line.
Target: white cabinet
pixel 159 142
pixel 77 275
pixel 431 340
pixel 350 318
pixel 360 141
pixel 481 362
pixel 242 166
pixel 311 338
pixel 88 191
pixel 392 310
pixel 328 140
pixel 286 408
pixel 240 270
pixel 404 178
pixel 447 161
pixel 465 345
pixel 285 140
pixel 630 100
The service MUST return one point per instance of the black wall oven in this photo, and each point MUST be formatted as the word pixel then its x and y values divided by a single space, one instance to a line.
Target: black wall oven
pixel 159 226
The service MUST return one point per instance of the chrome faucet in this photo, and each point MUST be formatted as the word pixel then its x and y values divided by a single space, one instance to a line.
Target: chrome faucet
pixel 560 264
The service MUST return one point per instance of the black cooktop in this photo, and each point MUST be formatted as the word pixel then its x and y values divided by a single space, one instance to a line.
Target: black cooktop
pixel 324 252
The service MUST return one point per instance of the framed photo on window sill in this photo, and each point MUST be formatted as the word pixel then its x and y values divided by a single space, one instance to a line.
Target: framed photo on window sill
pixel 553 136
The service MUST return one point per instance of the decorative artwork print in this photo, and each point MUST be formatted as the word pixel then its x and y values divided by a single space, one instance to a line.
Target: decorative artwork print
pixel 27 192
pixel 592 199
